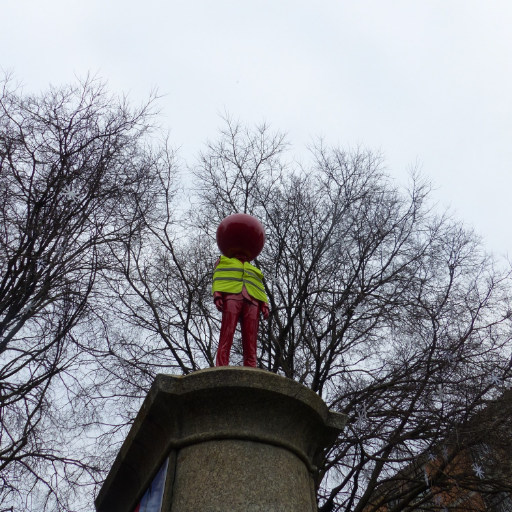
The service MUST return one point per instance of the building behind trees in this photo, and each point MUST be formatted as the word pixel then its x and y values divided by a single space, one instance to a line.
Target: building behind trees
pixel 472 471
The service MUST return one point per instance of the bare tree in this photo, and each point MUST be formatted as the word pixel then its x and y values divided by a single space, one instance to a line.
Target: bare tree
pixel 72 160
pixel 392 312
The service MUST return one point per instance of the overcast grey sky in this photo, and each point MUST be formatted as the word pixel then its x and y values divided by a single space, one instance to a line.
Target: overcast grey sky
pixel 425 81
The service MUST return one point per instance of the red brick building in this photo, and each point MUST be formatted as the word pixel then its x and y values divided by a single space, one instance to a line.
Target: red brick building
pixel 472 471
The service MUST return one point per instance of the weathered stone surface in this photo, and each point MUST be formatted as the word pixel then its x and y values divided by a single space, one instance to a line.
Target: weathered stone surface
pixel 241 439
pixel 221 476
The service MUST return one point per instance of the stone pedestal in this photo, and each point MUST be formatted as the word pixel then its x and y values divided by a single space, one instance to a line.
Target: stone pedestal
pixel 237 439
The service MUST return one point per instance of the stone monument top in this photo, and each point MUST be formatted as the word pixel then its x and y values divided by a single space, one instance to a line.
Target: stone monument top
pixel 230 439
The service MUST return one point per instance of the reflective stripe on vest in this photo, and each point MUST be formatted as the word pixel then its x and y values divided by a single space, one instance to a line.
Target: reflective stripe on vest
pixel 230 275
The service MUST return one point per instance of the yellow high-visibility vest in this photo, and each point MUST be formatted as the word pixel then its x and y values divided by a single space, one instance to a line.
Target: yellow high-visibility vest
pixel 231 274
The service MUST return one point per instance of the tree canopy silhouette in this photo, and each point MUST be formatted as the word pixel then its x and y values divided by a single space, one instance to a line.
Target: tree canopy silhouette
pixel 389 309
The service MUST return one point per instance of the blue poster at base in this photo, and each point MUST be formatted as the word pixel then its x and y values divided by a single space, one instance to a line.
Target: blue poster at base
pixel 152 499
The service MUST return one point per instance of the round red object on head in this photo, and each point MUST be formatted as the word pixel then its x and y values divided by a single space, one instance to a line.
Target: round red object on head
pixel 240 234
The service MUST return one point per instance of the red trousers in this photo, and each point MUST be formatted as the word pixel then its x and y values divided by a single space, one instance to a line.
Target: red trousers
pixel 248 314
